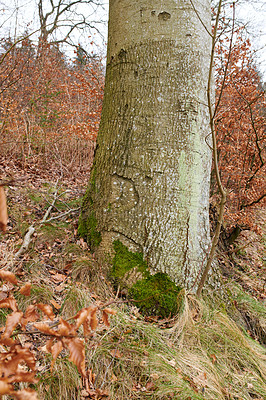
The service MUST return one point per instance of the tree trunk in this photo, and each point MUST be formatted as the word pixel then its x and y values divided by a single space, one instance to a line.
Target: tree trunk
pixel 150 181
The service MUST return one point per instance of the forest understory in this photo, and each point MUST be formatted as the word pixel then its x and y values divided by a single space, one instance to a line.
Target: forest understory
pixel 213 348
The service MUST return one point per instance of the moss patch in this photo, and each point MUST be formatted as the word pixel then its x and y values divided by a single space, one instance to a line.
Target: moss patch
pixel 156 294
pixel 87 228
pixel 125 260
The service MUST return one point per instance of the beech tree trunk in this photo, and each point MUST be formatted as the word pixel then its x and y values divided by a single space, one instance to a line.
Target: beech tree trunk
pixel 150 180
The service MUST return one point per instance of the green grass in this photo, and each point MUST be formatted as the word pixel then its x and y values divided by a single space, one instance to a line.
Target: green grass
pixel 63 383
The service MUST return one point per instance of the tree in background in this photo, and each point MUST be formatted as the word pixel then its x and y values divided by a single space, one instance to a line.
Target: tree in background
pixel 240 126
pixel 48 103
pixel 54 21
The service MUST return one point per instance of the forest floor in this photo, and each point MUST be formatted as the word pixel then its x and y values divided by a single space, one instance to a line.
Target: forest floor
pixel 137 357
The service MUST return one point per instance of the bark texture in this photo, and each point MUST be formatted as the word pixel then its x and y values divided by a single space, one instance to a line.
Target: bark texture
pixel 150 180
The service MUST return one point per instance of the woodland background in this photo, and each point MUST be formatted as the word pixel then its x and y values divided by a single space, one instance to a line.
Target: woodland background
pixel 50 110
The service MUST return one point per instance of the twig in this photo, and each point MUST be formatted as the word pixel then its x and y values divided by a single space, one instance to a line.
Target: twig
pixel 216 167
pixel 31 229
pixel 72 210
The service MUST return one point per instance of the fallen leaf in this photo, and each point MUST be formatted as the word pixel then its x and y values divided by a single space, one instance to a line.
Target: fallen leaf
pixel 150 386
pixel 213 358
pixel 26 394
pixel 10 302
pixel 46 309
pixel 172 362
pixel 77 353
pixel 3 210
pixel 3 295
pixel 115 353
pixel 55 304
pixel 12 321
pixel 5 388
pixel 25 289
pixel 58 278
pixel 60 288
pixel 8 276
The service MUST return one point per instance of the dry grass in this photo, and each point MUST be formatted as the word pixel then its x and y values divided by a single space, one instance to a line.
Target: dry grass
pixel 205 355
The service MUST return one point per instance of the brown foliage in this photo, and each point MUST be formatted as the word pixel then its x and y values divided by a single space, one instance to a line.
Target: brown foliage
pixel 240 126
pixel 50 107
pixel 61 333
pixel 3 210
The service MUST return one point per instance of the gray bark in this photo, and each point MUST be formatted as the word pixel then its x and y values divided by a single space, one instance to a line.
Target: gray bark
pixel 152 164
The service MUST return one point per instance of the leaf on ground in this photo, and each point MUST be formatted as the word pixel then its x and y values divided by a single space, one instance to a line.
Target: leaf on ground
pixel 105 312
pixel 25 289
pixel 26 394
pixel 213 358
pixel 31 315
pixel 150 386
pixel 3 210
pixel 5 388
pixel 116 353
pixel 55 304
pixel 201 379
pixel 8 276
pixel 10 302
pixel 101 393
pixel 11 322
pixel 46 309
pixel 3 295
pixel 44 328
pixel 65 329
pixel 93 319
pixel 77 353
pixel 58 278
pixel 55 351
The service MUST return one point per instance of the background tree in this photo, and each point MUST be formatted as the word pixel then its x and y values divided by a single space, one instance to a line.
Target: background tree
pixel 57 21
pixel 150 182
pixel 240 125
pixel 49 106
pixel 60 21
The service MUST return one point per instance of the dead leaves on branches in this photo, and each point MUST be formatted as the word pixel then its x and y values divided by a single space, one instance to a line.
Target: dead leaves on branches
pixel 17 362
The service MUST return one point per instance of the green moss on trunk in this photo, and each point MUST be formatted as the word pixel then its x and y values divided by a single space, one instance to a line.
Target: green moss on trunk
pixel 125 260
pixel 156 294
pixel 87 228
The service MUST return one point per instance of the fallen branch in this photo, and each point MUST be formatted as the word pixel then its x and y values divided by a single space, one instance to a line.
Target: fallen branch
pixel 26 242
pixel 31 230
pixel 72 210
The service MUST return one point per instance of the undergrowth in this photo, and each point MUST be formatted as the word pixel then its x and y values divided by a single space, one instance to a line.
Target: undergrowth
pixel 205 355
pixel 208 351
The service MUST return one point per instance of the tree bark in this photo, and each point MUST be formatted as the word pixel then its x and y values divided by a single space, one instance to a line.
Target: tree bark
pixel 150 179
